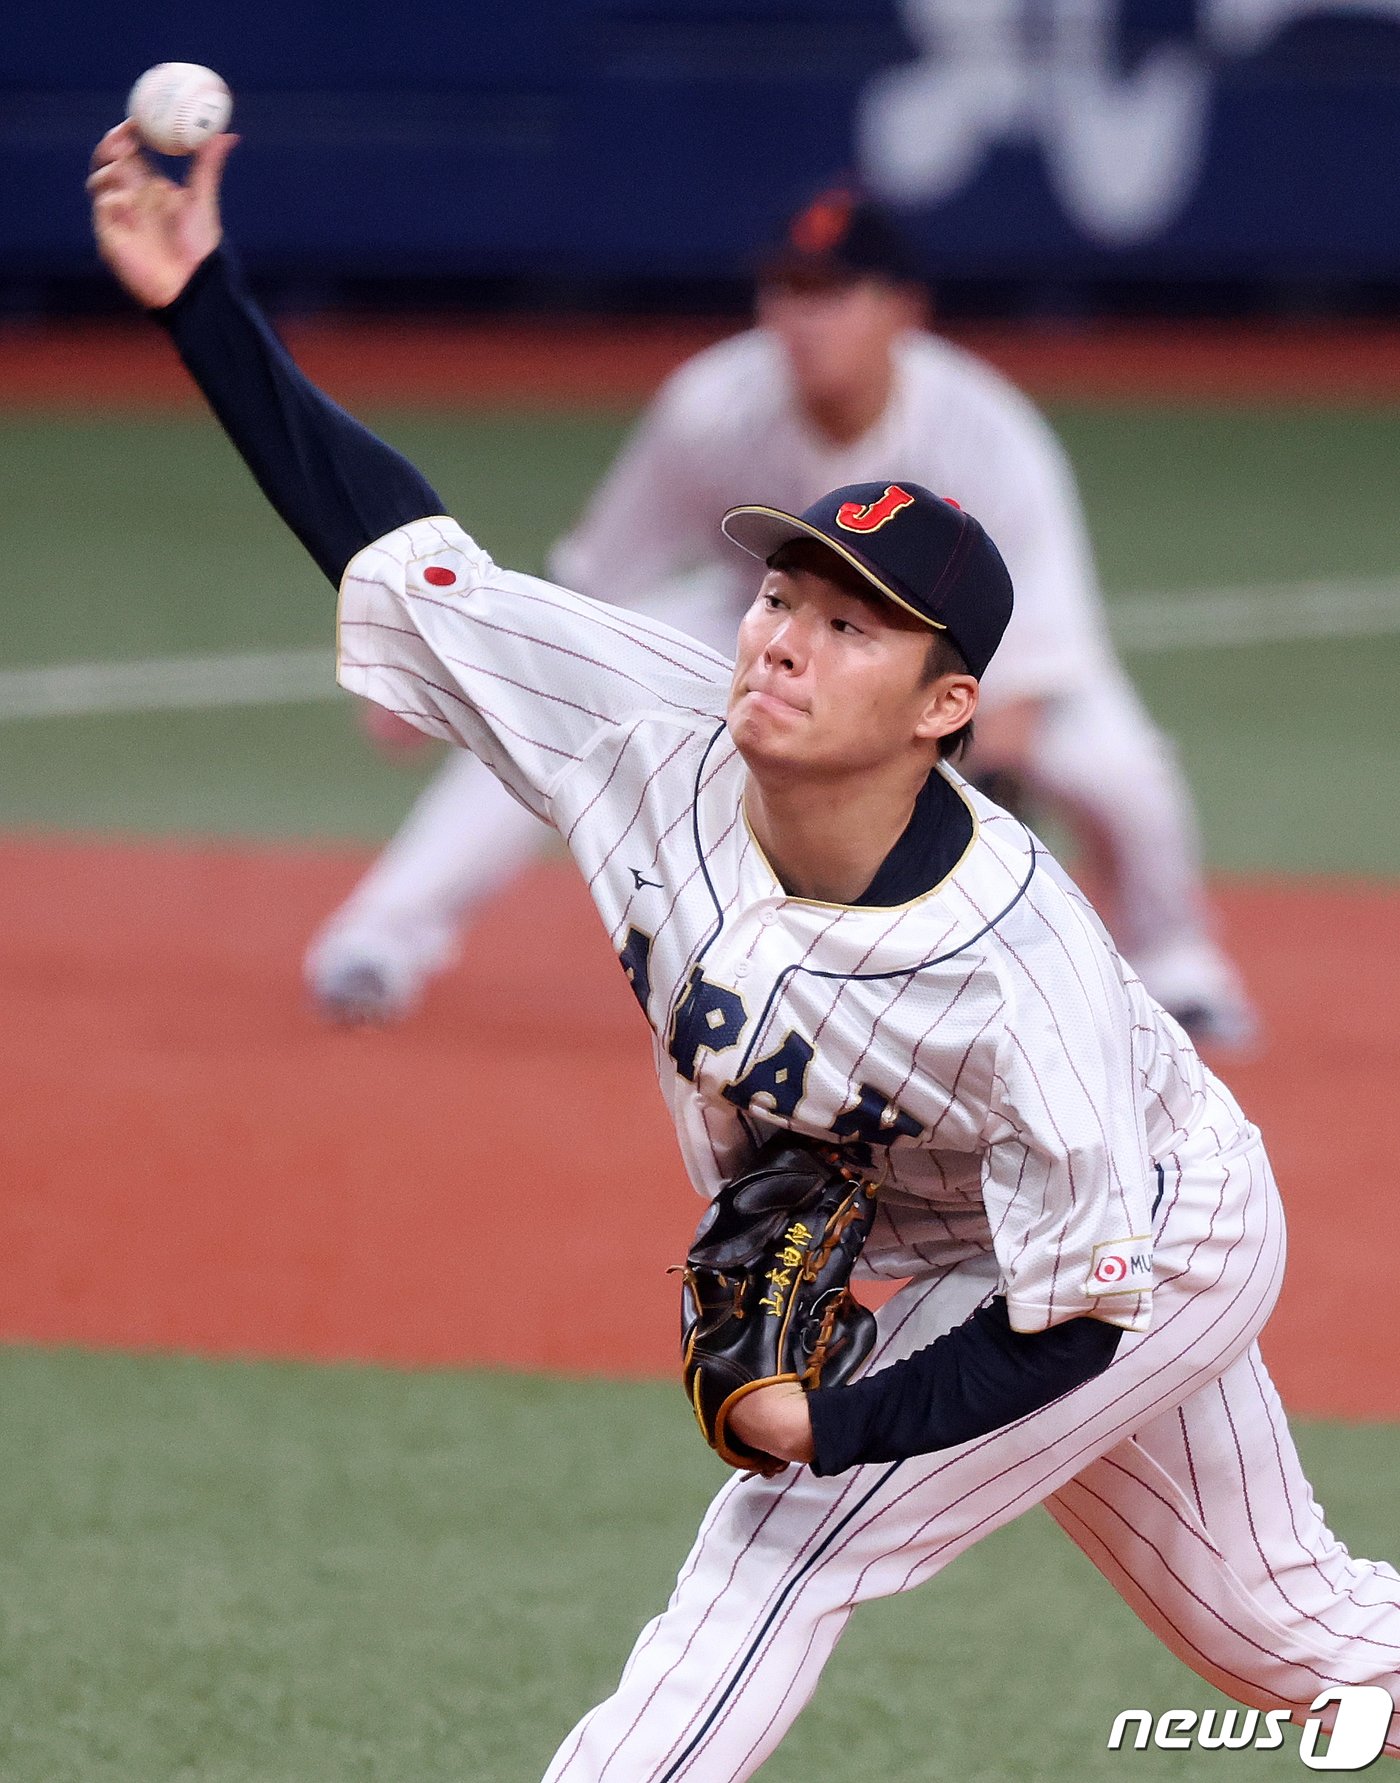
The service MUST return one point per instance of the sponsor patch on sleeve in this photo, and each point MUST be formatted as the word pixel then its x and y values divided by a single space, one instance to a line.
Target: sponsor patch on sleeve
pixel 1121 1266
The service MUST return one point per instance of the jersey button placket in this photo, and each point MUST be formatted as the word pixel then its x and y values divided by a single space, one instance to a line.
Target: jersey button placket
pixel 746 962
pixel 743 967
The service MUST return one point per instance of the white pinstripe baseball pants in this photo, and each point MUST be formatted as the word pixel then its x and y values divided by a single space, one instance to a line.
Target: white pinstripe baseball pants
pixel 1174 1471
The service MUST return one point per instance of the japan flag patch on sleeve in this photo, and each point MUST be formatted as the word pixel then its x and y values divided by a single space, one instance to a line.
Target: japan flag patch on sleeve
pixel 1121 1266
pixel 446 574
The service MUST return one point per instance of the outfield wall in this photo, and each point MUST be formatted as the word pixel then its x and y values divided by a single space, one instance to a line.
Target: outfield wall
pixel 569 146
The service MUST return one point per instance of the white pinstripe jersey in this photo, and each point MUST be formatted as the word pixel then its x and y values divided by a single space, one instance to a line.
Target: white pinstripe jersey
pixel 1016 1083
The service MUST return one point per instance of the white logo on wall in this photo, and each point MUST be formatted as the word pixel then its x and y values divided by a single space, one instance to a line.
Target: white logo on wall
pixel 1359 1717
pixel 1123 151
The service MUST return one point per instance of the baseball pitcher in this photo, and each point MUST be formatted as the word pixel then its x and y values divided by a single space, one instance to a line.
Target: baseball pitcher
pixel 882 1017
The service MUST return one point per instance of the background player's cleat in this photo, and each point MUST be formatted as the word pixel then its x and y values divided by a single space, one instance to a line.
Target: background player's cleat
pixel 359 979
pixel 358 994
pixel 1195 982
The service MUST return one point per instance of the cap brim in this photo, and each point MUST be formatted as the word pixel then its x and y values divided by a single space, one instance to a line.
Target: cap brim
pixel 761 531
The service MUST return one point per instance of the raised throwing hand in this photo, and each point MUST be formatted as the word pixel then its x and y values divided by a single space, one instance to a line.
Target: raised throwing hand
pixel 152 231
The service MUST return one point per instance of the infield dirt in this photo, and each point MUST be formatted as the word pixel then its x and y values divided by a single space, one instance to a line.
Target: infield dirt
pixel 193 1163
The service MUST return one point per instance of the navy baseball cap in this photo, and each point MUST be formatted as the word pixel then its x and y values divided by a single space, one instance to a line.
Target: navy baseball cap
pixel 841 235
pixel 923 553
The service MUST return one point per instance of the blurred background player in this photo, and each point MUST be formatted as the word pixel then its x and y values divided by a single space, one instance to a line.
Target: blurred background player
pixel 841 381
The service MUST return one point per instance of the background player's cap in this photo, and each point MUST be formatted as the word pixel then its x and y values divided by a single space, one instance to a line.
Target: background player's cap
pixel 923 553
pixel 841 235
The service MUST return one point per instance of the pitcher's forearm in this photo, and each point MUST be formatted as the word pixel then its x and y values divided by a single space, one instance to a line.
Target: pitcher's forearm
pixel 972 1380
pixel 336 485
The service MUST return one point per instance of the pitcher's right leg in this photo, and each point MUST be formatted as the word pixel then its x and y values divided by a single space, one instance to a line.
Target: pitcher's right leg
pixel 716 1679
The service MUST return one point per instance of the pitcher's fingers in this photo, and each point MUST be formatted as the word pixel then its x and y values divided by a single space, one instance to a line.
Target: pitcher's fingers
pixel 116 176
pixel 121 140
pixel 208 168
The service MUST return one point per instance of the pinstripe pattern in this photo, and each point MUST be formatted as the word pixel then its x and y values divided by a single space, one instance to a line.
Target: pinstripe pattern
pixel 919 1515
pixel 1027 1106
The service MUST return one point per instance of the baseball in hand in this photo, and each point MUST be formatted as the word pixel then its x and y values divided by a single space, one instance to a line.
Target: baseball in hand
pixel 178 105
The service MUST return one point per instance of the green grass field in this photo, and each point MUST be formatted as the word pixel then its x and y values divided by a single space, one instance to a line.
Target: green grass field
pixel 231 1572
pixel 223 1573
pixel 137 538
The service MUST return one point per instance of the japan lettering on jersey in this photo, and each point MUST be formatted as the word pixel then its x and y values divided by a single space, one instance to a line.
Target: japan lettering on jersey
pixel 999 1116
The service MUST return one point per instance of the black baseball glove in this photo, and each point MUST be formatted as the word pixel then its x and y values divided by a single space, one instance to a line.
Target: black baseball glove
pixel 766 1296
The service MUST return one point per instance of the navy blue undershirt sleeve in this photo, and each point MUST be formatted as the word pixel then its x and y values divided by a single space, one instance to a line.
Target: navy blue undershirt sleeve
pixel 974 1379
pixel 334 483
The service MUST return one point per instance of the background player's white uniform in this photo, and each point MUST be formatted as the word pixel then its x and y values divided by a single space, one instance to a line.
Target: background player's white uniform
pixel 726 423
pixel 1043 1130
